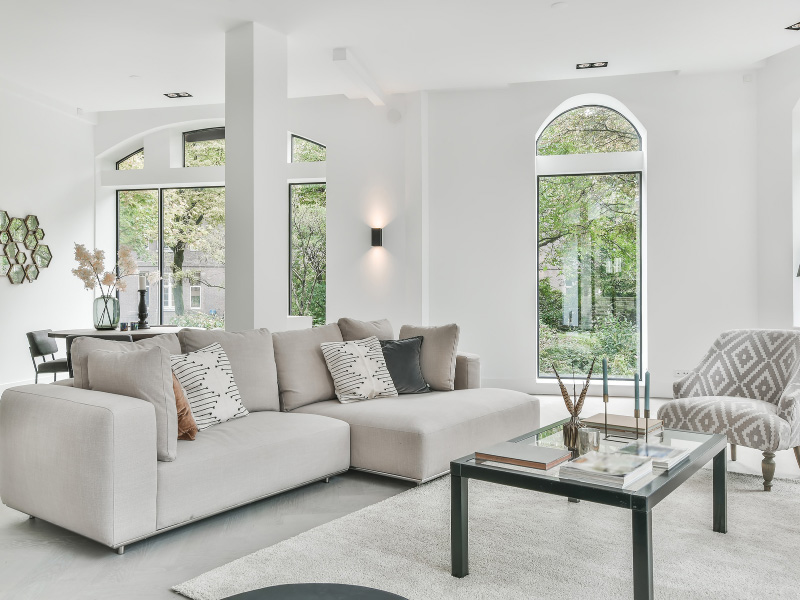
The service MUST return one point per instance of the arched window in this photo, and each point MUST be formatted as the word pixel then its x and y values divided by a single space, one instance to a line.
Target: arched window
pixel 589 164
pixel 134 160
pixel 305 150
pixel 204 147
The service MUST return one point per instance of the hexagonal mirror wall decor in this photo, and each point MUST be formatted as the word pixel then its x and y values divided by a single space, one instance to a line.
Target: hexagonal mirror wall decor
pixel 17 229
pixel 32 222
pixel 16 236
pixel 11 251
pixel 32 273
pixel 42 256
pixel 16 274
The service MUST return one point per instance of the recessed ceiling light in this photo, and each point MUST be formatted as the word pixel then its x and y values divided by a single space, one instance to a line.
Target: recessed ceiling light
pixel 178 95
pixel 591 65
pixel 795 27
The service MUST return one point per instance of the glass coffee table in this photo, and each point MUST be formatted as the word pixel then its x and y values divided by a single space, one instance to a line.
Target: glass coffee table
pixel 640 498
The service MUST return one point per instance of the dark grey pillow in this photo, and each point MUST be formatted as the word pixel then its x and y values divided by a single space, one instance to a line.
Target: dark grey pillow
pixel 402 360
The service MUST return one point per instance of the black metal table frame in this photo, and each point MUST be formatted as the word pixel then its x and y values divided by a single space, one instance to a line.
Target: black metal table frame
pixel 640 502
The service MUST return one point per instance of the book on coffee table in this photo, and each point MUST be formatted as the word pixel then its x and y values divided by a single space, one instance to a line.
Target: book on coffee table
pixel 623 424
pixel 664 457
pixel 608 468
pixel 524 455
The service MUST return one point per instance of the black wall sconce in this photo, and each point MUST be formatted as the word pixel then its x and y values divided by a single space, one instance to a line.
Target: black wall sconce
pixel 377 236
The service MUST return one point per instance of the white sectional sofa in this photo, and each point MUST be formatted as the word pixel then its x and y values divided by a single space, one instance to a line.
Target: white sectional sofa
pixel 86 460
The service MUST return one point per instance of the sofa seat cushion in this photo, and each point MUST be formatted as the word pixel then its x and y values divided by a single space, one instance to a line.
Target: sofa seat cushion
pixel 750 423
pixel 417 436
pixel 245 459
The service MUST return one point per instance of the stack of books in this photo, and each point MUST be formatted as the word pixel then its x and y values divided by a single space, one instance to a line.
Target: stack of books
pixel 624 426
pixel 524 455
pixel 613 469
pixel 664 457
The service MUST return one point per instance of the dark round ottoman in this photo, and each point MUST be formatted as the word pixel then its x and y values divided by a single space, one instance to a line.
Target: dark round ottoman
pixel 316 591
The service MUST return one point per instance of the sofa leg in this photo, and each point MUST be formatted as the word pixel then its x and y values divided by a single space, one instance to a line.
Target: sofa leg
pixel 733 452
pixel 327 480
pixel 121 550
pixel 797 454
pixel 768 469
pixel 31 517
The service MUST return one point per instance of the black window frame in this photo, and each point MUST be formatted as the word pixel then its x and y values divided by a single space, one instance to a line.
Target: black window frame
pixel 122 160
pixel 300 137
pixel 289 188
pixel 639 268
pixel 202 135
pixel 160 266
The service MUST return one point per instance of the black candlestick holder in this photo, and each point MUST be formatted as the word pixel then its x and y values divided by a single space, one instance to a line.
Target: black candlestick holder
pixel 143 311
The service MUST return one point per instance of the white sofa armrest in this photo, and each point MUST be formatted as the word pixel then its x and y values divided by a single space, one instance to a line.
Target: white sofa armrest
pixel 468 371
pixel 83 460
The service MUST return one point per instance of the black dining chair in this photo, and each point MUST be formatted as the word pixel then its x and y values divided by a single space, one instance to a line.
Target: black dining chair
pixel 116 337
pixel 41 345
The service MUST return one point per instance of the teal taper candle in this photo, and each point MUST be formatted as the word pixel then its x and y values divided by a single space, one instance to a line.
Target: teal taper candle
pixel 636 390
pixel 605 377
pixel 647 390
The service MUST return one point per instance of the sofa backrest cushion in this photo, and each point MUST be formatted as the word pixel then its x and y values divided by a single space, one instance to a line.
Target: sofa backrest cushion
pixel 303 376
pixel 437 355
pixel 353 329
pixel 145 374
pixel 82 346
pixel 252 359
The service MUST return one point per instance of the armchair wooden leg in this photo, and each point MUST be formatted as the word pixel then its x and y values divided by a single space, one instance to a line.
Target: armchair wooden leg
pixel 768 469
pixel 797 454
pixel 733 452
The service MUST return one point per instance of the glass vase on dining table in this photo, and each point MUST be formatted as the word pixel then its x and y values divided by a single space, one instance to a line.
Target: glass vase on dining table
pixel 106 313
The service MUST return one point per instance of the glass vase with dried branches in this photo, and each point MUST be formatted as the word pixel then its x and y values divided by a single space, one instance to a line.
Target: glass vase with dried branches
pixel 574 406
pixel 91 270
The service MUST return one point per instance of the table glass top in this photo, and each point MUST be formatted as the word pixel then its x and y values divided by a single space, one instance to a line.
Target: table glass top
pixel 552 436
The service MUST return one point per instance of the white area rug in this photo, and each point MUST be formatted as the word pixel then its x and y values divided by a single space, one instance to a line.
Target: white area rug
pixel 529 545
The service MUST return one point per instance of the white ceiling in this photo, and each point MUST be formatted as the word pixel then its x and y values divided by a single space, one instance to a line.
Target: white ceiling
pixel 83 52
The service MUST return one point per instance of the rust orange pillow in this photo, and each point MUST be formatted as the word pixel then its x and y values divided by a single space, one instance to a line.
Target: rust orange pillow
pixel 187 428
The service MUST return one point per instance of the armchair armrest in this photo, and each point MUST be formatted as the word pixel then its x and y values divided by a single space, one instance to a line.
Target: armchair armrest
pixel 81 459
pixel 468 371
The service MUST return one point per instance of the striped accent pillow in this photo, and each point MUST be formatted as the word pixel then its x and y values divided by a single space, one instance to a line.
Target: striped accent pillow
pixel 358 369
pixel 207 378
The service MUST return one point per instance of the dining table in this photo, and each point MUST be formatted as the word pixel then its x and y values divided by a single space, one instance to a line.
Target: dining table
pixel 136 334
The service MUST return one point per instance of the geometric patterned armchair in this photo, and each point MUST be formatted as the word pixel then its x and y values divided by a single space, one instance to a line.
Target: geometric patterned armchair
pixel 748 387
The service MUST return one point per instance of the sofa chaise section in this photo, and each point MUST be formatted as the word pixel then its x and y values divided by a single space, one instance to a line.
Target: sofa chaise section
pixel 83 460
pixel 416 436
pixel 246 459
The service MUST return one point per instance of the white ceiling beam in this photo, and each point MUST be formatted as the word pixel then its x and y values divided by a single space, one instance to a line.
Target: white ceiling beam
pixel 355 71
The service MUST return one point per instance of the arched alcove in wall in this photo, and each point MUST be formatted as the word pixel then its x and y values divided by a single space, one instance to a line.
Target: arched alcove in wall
pixel 591 275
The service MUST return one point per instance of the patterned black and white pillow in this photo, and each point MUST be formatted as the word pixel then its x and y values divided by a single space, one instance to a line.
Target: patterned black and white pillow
pixel 207 379
pixel 358 369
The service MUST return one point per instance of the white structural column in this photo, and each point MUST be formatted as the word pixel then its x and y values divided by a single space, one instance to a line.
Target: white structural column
pixel 257 208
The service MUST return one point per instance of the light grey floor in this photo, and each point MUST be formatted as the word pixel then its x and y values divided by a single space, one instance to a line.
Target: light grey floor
pixel 41 561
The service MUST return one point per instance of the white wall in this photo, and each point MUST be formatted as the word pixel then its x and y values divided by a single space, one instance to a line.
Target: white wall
pixel 701 226
pixel 461 164
pixel 47 169
pixel 778 223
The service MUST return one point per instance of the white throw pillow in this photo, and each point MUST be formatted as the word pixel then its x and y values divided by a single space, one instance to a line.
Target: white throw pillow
pixel 207 378
pixel 358 369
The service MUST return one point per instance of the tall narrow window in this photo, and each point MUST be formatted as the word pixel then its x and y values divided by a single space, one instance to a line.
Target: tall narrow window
pixel 137 228
pixel 194 232
pixel 304 150
pixel 589 243
pixel 134 160
pixel 308 250
pixel 204 147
